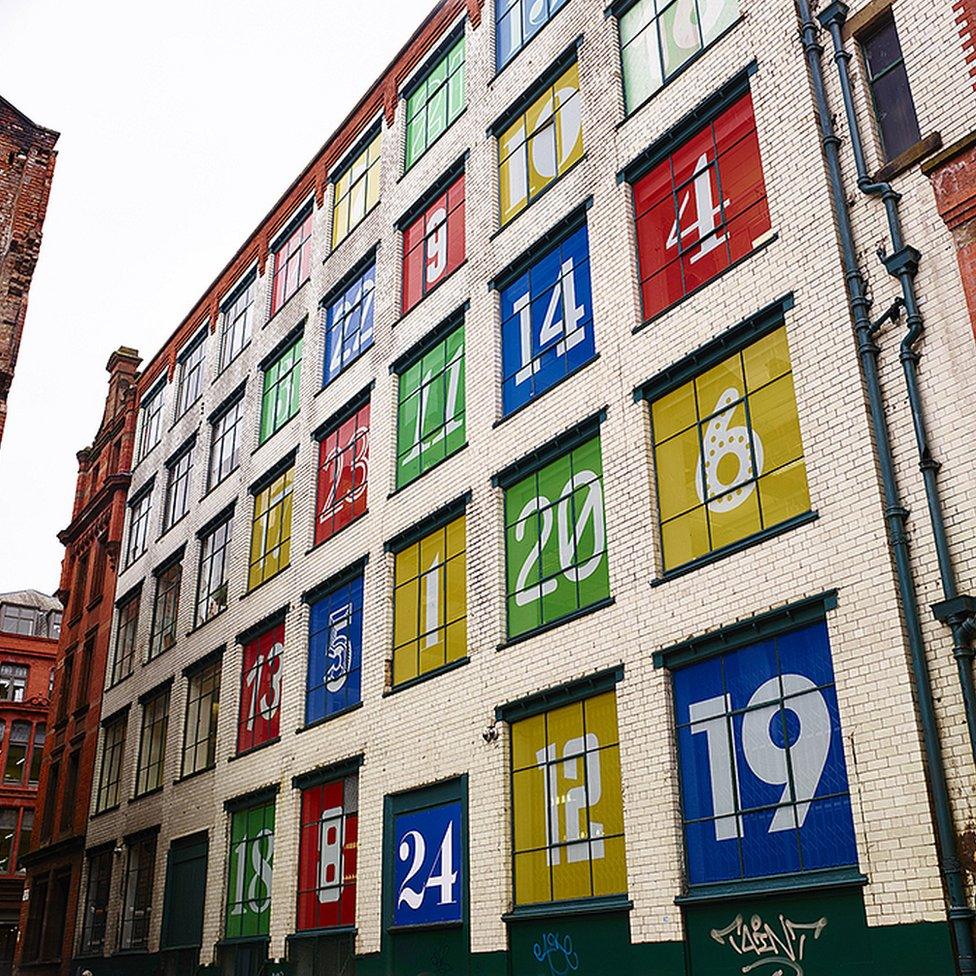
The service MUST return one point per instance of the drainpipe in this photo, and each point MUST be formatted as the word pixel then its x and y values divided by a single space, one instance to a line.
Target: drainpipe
pixel 954 609
pixel 959 913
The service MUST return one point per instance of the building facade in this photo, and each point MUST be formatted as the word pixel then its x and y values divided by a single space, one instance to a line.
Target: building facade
pixel 531 535
pixel 29 626
pixel 27 160
pixel 92 544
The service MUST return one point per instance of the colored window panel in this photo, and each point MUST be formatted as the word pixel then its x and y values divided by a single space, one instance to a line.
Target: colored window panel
pixel 281 390
pixel 327 855
pixel 567 805
pixel 436 102
pixel 547 322
pixel 541 144
pixel 431 408
pixel 357 191
pixel 292 262
pixel 658 38
pixel 728 452
pixel 349 324
pixel 271 530
pixel 430 603
pixel 701 209
pixel 433 245
pixel 343 474
pixel 250 862
pixel 555 540
pixel 428 871
pixel 260 712
pixel 761 761
pixel 335 648
pixel 517 22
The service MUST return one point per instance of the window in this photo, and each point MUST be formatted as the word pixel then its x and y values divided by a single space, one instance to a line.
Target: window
pixel 700 209
pixel 51 798
pixel 335 649
pixel 250 861
pixel 543 142
pixel 343 474
pixel 433 244
pixel 17 620
pixel 547 321
pixel 292 261
pixel 137 893
pixel 99 557
pixel 430 603
pixel 68 810
pixel 152 743
pixel 659 37
pixel 225 442
pixel 357 190
pixel 37 754
pixel 13 842
pixel 431 408
pixel 728 454
pixel 152 420
pixel 258 720
pixel 140 511
pixel 35 918
pixel 213 582
pixel 517 22
pixel 271 529
pixel 555 540
pixel 349 323
pixel 18 747
pixel 190 373
pixel 81 584
pixel 435 102
pixel 761 761
pixel 202 705
pixel 113 743
pixel 84 678
pixel 96 902
pixel 126 631
pixel 327 855
pixel 280 394
pixel 13 681
pixel 166 608
pixel 567 806
pixel 891 96
pixel 67 683
pixel 24 836
pixel 178 487
pixel 235 322
pixel 183 901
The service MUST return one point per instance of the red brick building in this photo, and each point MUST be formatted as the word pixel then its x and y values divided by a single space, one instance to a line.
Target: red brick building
pixel 29 625
pixel 87 588
pixel 27 159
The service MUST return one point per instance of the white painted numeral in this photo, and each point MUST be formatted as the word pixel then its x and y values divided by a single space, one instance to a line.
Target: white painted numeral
pixel 339 653
pixel 443 881
pixel 706 210
pixel 573 801
pixel 719 441
pixel 331 840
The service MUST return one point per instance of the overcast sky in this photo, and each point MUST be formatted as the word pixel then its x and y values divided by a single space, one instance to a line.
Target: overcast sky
pixel 181 123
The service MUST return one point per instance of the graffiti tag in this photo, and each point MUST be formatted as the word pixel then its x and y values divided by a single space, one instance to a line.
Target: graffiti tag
pixel 777 951
pixel 556 953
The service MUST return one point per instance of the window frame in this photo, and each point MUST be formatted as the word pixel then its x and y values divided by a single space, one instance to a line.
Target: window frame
pixel 138 909
pixel 179 481
pixel 299 229
pixel 124 654
pixel 265 643
pixel 153 731
pixel 278 485
pixel 358 156
pixel 151 419
pixel 291 349
pixel 98 885
pixel 191 361
pixel 140 514
pixel 166 598
pixel 220 432
pixel 19 614
pixel 231 315
pixel 337 311
pixel 206 592
pixel 266 807
pixel 110 762
pixel 552 8
pixel 208 670
pixel 15 676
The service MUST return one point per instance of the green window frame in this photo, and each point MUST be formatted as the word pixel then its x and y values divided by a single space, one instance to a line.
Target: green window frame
pixel 430 406
pixel 281 390
pixel 250 862
pixel 435 102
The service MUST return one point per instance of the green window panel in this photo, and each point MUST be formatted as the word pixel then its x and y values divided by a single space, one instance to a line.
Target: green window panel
pixel 252 835
pixel 280 393
pixel 435 103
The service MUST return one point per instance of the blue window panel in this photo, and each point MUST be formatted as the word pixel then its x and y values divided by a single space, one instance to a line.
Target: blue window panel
pixel 335 645
pixel 349 325
pixel 517 22
pixel 429 857
pixel 547 322
pixel 764 783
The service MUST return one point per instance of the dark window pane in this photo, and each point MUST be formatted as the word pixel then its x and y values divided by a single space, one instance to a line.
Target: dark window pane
pixel 881 49
pixel 895 112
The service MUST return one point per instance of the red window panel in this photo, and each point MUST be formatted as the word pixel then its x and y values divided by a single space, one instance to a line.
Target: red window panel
pixel 292 263
pixel 343 474
pixel 327 855
pixel 433 245
pixel 700 209
pixel 260 689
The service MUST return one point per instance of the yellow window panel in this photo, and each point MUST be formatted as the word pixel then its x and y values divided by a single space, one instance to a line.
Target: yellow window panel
pixel 512 139
pixel 374 148
pixel 601 717
pixel 674 412
pixel 512 179
pixel 677 465
pixel 457 640
pixel 685 538
pixel 455 536
pixel 340 220
pixel 567 84
pixel 254 576
pixel 569 134
pixel 406 604
pixel 432 600
pixel 432 550
pixel 766 359
pixel 529 808
pixel 456 596
pixel 727 459
pixel 532 878
pixel 539 112
pixel 405 663
pixel 565 723
pixel 406 564
pixel 732 524
pixel 714 385
pixel 570 879
pixel 776 422
pixel 543 163
pixel 373 186
pixel 273 522
pixel 606 813
pixel 610 870
pixel 432 651
pixel 528 737
pixel 284 554
pixel 784 493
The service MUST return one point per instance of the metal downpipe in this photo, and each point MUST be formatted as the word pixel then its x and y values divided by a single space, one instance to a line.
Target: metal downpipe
pixel 959 913
pixel 902 264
